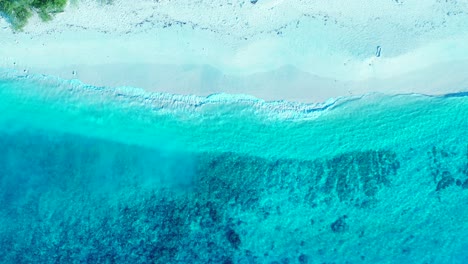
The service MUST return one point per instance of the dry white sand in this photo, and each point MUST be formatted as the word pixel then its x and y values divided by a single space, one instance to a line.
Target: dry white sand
pixel 273 49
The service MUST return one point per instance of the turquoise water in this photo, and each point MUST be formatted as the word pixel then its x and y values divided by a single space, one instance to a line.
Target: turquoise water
pixel 99 175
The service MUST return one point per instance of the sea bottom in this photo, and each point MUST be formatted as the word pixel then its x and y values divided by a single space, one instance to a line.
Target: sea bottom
pixel 95 175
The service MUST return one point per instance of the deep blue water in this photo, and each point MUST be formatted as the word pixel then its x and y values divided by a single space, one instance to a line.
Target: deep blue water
pixel 98 175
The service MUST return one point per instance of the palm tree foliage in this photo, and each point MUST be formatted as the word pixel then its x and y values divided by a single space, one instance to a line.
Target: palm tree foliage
pixel 18 12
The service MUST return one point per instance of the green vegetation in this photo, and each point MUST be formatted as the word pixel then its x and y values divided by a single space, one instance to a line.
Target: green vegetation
pixel 19 11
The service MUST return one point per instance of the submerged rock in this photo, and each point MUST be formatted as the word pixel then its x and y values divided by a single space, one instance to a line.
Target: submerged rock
pixel 233 238
pixel 445 182
pixel 340 225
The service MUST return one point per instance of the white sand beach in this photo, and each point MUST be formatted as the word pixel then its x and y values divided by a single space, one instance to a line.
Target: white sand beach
pixel 273 49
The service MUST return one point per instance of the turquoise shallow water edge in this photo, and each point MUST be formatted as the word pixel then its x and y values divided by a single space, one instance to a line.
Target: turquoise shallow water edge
pixel 100 175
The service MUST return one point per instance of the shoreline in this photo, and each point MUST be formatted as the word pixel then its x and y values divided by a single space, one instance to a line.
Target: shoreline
pixel 191 102
pixel 200 56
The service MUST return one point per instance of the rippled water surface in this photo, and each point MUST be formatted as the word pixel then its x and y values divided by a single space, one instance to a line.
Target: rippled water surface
pixel 99 175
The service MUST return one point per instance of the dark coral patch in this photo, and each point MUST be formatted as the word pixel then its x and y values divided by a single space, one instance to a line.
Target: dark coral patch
pixel 233 238
pixel 445 182
pixel 340 225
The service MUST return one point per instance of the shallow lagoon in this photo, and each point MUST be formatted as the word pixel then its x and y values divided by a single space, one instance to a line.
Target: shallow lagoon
pixel 94 174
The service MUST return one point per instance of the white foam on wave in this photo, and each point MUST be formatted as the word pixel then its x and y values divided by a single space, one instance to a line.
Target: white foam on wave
pixel 48 84
pixel 53 87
